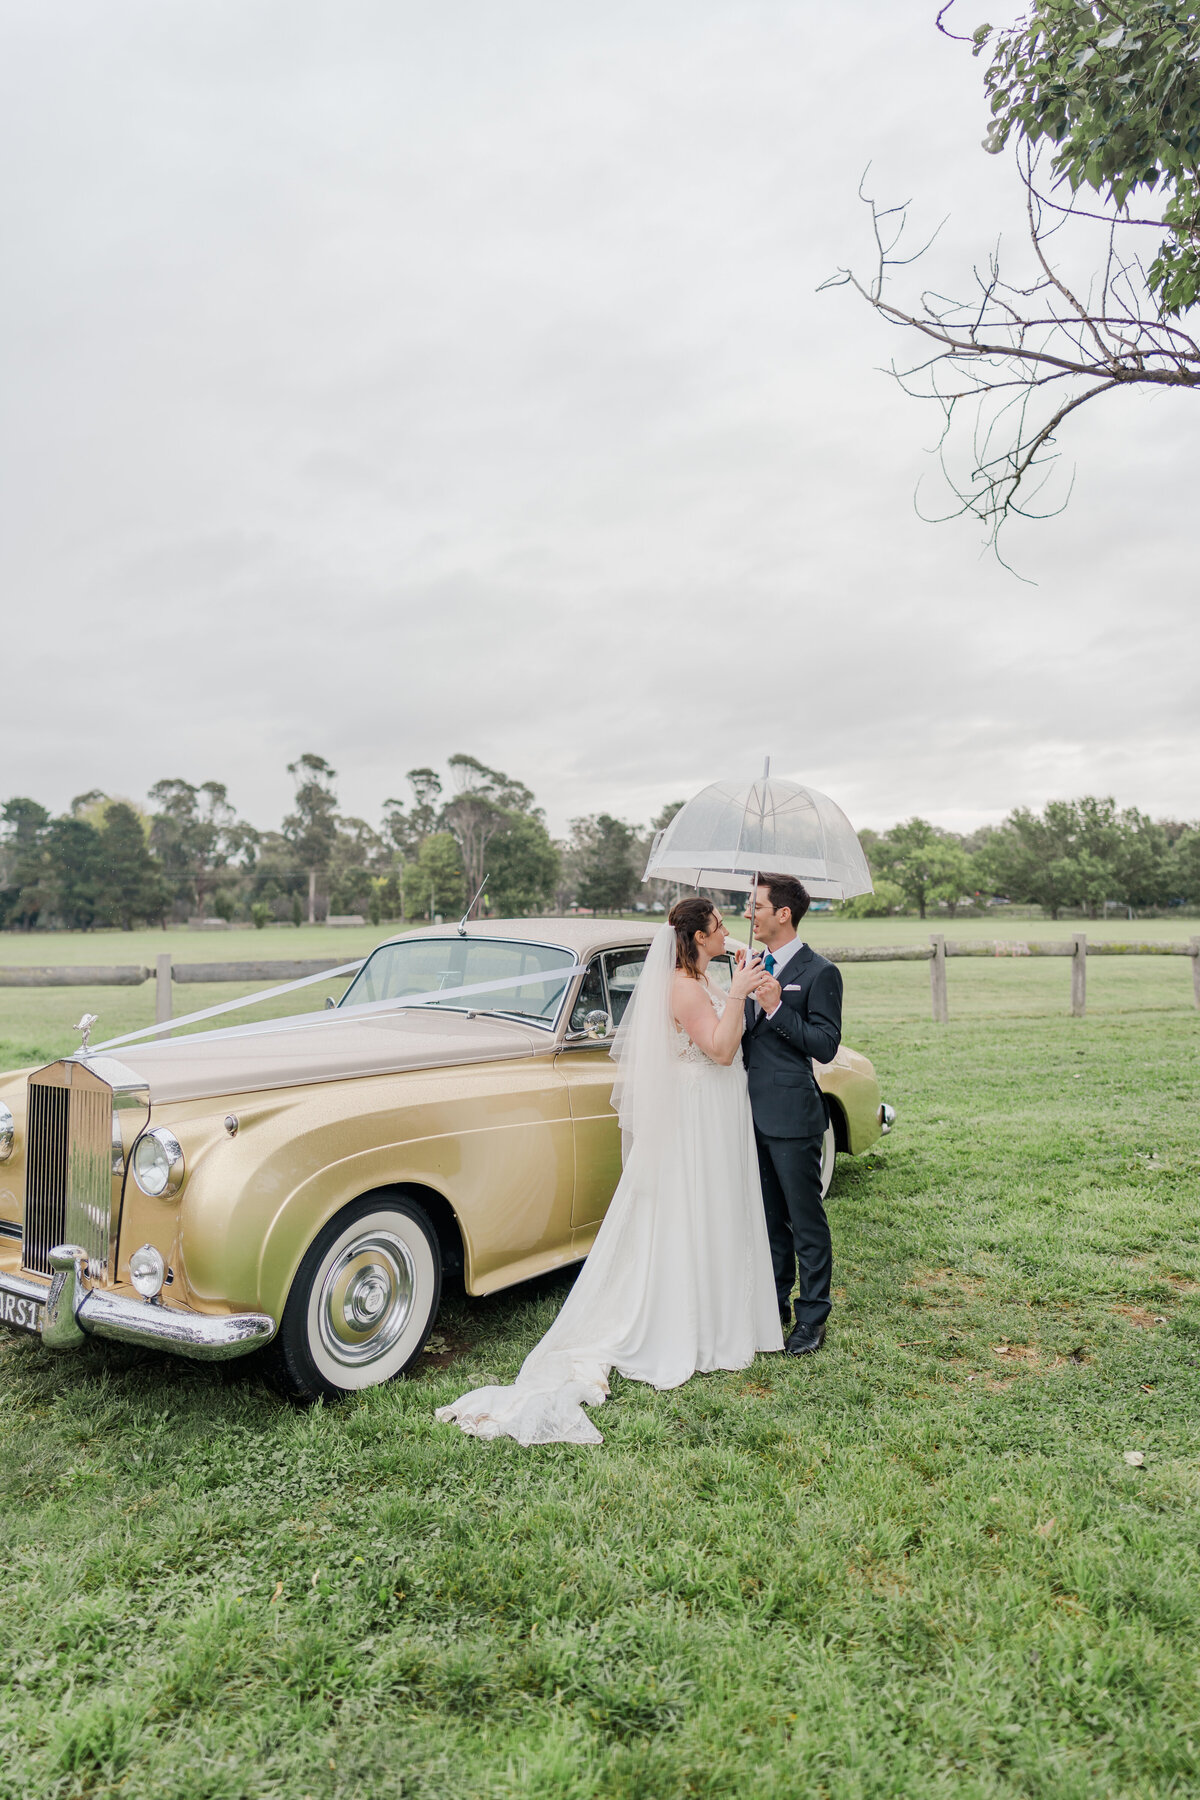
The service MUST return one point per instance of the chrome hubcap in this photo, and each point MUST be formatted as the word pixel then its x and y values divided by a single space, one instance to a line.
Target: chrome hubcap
pixel 366 1298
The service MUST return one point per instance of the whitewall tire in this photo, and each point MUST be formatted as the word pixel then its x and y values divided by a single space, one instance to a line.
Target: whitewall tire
pixel 363 1301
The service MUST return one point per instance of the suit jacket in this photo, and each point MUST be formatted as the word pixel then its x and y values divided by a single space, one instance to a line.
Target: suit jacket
pixel 779 1052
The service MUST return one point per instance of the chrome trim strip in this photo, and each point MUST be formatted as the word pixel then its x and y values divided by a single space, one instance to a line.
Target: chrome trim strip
pixel 76 1311
pixel 200 1335
pixel 24 1286
pixel 10 1228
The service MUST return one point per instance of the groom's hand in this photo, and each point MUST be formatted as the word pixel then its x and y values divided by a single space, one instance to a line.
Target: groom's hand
pixel 768 993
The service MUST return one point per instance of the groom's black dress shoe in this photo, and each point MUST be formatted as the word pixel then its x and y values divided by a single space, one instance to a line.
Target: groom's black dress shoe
pixel 805 1340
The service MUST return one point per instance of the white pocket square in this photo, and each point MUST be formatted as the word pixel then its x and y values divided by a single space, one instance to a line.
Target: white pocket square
pixel 793 987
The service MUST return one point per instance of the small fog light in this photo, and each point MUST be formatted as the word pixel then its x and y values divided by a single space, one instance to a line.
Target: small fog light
pixel 147 1271
pixel 6 1132
pixel 158 1163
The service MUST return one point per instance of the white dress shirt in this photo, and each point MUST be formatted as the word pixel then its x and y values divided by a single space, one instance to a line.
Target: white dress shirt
pixel 782 955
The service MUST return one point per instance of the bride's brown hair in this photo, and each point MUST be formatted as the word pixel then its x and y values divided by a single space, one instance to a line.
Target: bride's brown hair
pixel 688 917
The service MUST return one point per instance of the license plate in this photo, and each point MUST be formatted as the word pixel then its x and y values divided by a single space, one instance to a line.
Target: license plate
pixel 20 1314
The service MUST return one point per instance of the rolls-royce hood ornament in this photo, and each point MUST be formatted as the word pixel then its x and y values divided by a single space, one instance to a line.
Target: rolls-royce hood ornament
pixel 84 1028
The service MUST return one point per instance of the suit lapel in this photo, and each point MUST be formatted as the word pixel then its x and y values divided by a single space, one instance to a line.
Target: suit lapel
pixel 792 969
pixel 795 969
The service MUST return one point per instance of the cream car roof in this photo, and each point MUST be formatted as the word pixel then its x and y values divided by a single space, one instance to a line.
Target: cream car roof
pixel 583 936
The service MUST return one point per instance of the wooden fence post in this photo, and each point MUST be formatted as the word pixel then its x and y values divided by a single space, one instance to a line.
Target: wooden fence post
pixel 937 979
pixel 1079 974
pixel 1196 969
pixel 162 991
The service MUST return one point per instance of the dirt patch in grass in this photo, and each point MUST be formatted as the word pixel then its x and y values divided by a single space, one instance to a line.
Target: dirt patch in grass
pixel 1032 1359
pixel 442 1349
pixel 951 1283
pixel 1183 1284
pixel 887 1583
pixel 1137 1315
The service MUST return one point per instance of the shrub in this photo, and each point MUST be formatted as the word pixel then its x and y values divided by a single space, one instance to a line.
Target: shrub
pixel 260 912
pixel 887 898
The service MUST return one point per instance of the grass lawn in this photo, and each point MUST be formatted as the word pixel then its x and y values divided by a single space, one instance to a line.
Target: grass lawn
pixel 36 1023
pixel 917 1564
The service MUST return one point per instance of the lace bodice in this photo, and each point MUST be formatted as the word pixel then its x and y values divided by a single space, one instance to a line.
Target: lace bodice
pixel 684 1047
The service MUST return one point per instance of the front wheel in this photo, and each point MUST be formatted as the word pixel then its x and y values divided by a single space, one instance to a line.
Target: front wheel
pixel 362 1303
pixel 828 1154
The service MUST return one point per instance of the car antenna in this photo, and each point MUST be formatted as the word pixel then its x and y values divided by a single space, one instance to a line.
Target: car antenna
pixel 462 923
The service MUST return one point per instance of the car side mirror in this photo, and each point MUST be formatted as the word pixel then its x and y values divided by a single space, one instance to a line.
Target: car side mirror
pixel 597 1025
pixel 329 1001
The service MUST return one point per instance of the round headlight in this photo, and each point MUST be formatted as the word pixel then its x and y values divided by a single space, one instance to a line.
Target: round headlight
pixel 158 1163
pixel 147 1271
pixel 6 1132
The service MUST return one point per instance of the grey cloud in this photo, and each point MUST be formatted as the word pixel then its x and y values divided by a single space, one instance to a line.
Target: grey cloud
pixel 387 381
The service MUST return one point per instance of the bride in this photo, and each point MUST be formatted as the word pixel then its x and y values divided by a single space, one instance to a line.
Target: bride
pixel 679 1279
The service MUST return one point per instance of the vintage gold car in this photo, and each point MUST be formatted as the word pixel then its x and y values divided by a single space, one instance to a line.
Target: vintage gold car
pixel 303 1186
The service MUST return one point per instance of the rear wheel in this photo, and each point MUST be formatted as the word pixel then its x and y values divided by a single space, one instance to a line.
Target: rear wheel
pixel 363 1301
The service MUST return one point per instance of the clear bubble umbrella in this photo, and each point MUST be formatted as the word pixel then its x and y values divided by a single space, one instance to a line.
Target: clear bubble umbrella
pixel 731 833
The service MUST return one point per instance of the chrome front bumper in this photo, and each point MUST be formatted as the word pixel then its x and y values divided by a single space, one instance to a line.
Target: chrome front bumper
pixel 69 1311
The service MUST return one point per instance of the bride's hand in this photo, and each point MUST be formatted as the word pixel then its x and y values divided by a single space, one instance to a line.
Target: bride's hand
pixel 746 978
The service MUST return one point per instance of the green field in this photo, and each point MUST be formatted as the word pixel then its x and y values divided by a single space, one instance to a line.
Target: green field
pixel 36 1023
pixel 918 1564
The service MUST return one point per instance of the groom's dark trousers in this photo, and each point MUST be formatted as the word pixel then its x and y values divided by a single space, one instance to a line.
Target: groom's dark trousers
pixel 790 1117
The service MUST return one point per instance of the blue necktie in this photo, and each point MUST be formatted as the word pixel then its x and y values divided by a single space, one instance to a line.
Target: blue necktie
pixel 769 966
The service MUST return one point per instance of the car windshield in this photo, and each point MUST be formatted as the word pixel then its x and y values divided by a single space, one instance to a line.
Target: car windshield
pixel 427 965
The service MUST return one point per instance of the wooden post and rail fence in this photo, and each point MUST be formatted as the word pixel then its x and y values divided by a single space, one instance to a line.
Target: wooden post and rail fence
pixel 936 953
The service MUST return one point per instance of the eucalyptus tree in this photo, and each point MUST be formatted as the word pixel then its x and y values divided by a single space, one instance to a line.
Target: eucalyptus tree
pixel 196 835
pixel 312 828
pixel 405 827
pixel 482 806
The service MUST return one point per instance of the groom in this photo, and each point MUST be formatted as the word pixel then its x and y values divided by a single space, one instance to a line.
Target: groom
pixel 796 1017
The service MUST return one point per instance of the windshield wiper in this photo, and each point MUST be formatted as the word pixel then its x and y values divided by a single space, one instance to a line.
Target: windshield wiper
pixel 494 1012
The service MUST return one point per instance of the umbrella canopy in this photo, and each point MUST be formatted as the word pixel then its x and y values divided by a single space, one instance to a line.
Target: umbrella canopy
pixel 729 834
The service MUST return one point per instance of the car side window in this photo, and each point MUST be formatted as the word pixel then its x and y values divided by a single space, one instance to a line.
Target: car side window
pixel 591 996
pixel 720 972
pixel 622 967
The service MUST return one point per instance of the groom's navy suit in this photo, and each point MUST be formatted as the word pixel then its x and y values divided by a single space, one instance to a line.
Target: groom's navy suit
pixel 790 1117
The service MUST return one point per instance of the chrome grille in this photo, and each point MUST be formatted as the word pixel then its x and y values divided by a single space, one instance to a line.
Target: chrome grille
pixel 68 1168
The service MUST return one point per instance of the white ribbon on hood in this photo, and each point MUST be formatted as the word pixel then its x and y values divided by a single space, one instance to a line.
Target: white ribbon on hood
pixel 301 1021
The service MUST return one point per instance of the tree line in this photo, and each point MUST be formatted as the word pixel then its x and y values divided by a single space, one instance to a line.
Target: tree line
pixel 186 853
pixel 109 862
pixel 1073 856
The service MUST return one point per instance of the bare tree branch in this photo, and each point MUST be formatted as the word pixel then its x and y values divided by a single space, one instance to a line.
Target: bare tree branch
pixel 1024 358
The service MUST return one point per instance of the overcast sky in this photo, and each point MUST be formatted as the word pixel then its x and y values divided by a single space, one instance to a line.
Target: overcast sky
pixel 385 380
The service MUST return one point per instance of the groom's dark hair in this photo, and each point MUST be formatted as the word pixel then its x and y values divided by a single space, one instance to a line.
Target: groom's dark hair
pixel 785 890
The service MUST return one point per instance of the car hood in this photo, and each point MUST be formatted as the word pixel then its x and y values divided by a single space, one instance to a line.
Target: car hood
pixel 208 1065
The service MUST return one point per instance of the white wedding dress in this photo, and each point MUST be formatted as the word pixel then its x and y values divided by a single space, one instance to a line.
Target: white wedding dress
pixel 679 1279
